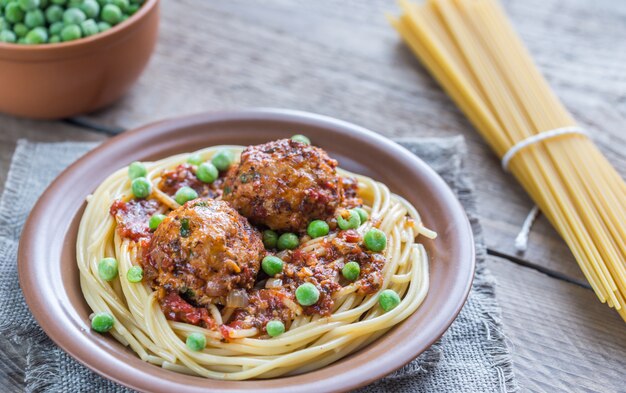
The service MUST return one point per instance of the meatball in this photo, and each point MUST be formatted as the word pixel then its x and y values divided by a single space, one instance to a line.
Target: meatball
pixel 203 250
pixel 284 185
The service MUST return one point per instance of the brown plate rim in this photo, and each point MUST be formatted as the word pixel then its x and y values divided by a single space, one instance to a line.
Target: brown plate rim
pixel 98 356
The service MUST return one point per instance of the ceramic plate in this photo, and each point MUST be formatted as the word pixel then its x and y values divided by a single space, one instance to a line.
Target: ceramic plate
pixel 50 280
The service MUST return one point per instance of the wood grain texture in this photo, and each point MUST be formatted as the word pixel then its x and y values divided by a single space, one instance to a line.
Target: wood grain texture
pixel 12 365
pixel 341 58
pixel 12 129
pixel 563 340
pixel 13 355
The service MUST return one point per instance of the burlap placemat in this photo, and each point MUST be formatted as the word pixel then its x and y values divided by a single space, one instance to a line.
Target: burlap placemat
pixel 472 356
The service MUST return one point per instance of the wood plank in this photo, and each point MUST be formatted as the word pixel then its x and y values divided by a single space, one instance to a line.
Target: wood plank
pixel 12 365
pixel 342 59
pixel 12 129
pixel 13 361
pixel 563 338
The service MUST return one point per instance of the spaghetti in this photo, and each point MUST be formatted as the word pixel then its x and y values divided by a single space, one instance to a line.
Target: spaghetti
pixel 311 340
pixel 472 50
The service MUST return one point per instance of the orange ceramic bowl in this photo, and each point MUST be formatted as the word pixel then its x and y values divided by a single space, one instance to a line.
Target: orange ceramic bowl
pixel 53 81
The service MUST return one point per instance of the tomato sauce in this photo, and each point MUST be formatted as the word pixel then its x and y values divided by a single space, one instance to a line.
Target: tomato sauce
pixel 132 217
pixel 178 309
pixel 185 175
pixel 184 292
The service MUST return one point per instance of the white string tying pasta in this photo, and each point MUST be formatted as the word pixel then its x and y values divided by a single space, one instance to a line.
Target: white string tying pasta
pixel 521 240
pixel 542 136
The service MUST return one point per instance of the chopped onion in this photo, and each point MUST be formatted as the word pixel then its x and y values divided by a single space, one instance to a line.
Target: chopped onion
pixel 274 283
pixel 237 298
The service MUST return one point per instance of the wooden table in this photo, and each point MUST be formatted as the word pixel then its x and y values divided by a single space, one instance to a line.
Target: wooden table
pixel 340 58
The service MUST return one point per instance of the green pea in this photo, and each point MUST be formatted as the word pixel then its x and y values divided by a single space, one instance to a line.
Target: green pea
pixel 270 238
pixel 56 28
pixel 111 14
pixel 246 177
pixel 185 231
pixel 13 12
pixel 134 274
pixel 122 4
pixel 89 28
pixel 91 8
pixel 137 169
pixel 53 21
pixel 155 221
pixel 141 187
pixel 20 30
pixel 388 300
pixel 223 159
pixel 351 271
pixel 103 26
pixel 272 265
pixel 287 241
pixel 275 328
pixel 107 269
pixel 375 240
pixel 195 159
pixel 35 18
pixel 317 228
pixel 196 341
pixel 29 5
pixel 353 221
pixel 301 139
pixel 71 32
pixel 307 294
pixel 38 35
pixel 74 16
pixel 8 36
pixel 54 13
pixel 362 214
pixel 102 322
pixel 185 194
pixel 207 172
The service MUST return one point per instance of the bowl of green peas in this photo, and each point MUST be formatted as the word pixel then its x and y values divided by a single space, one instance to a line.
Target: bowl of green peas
pixel 60 58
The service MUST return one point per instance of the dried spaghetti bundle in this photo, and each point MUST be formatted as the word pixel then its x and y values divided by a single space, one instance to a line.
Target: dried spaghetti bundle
pixel 470 47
